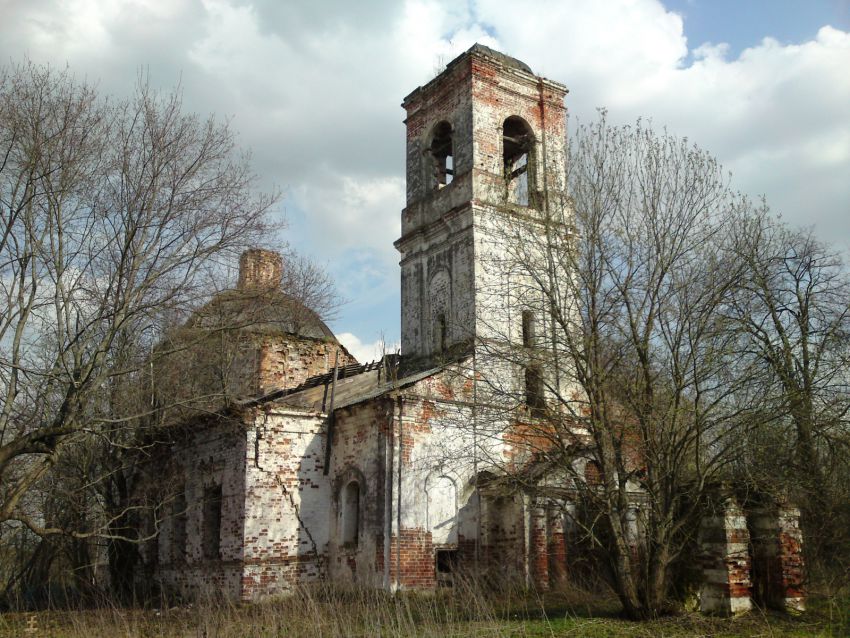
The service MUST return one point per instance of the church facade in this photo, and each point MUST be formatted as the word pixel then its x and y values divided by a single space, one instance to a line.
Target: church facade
pixel 372 473
pixel 391 474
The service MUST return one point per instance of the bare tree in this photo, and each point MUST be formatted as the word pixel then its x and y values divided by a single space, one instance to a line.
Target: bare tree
pixel 115 215
pixel 793 313
pixel 632 277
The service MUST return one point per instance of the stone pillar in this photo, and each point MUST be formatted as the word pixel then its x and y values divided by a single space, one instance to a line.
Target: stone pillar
pixel 724 546
pixel 778 558
pixel 557 549
pixel 633 534
pixel 538 547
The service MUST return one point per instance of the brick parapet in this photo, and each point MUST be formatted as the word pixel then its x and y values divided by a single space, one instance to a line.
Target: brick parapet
pixel 287 361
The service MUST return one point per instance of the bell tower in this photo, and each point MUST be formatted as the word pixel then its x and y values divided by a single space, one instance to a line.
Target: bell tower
pixel 485 138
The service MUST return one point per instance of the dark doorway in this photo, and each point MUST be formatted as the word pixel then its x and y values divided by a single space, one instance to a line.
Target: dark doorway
pixel 446 563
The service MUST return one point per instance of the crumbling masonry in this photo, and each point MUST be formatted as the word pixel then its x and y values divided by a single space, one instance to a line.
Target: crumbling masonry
pixel 382 474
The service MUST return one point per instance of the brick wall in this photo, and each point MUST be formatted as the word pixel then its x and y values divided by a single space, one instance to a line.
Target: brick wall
pixel 209 455
pixel 503 545
pixel 286 361
pixel 287 523
pixel 358 454
pixel 415 551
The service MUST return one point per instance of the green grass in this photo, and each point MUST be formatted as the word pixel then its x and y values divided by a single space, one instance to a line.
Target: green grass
pixel 463 613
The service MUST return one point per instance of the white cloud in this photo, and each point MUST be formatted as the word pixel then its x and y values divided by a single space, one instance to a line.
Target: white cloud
pixel 776 115
pixel 314 89
pixel 354 212
pixel 366 352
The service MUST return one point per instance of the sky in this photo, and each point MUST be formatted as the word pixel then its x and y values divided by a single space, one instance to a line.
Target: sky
pixel 313 88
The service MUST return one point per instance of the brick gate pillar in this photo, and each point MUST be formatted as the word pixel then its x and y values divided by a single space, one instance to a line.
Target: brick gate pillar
pixel 778 558
pixel 790 578
pixel 724 546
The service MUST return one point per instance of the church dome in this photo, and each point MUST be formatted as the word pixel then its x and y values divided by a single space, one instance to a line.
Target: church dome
pixel 258 305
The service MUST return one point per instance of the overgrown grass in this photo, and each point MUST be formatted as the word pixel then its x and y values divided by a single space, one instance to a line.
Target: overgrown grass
pixel 462 612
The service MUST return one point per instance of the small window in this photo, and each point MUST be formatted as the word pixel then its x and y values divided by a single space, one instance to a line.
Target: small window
pixel 212 522
pixel 442 155
pixel 178 527
pixel 351 514
pixel 517 146
pixel 534 398
pixel 441 331
pixel 534 393
pixel 529 329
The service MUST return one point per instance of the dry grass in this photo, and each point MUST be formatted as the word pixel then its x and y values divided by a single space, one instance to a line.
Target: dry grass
pixel 463 612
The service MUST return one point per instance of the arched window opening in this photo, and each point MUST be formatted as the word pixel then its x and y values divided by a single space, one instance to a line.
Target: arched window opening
pixel 441 509
pixel 517 144
pixel 592 474
pixel 351 514
pixel 442 154
pixel 178 527
pixel 440 300
pixel 441 331
pixel 212 522
pixel 534 398
pixel 529 329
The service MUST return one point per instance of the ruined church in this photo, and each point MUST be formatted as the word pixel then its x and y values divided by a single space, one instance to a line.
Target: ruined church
pixel 387 474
